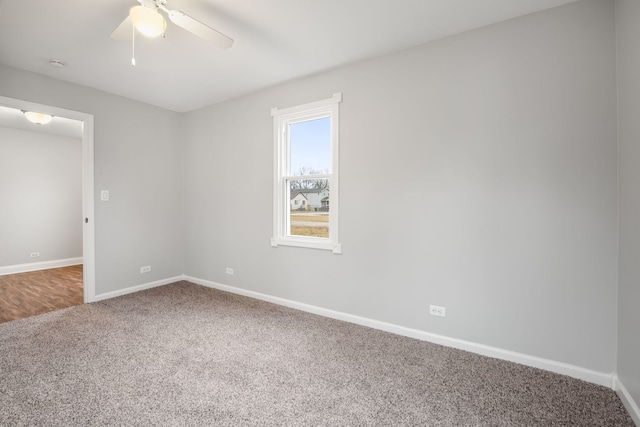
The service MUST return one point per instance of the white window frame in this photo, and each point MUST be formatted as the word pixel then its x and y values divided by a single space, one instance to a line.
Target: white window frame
pixel 282 119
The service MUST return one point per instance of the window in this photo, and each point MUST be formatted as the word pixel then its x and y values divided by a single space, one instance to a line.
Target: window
pixel 306 175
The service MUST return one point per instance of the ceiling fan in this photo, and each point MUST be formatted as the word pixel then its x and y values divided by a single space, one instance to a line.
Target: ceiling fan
pixel 147 20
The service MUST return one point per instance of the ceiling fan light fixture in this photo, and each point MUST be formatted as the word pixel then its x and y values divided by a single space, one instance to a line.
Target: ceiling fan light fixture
pixel 148 21
pixel 38 118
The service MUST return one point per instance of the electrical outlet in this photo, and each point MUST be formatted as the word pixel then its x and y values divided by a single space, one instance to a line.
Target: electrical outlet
pixel 35 254
pixel 435 310
pixel 230 271
pixel 145 269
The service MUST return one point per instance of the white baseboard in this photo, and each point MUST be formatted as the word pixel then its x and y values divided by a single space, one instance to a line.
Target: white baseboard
pixel 627 400
pixel 35 266
pixel 136 288
pixel 578 372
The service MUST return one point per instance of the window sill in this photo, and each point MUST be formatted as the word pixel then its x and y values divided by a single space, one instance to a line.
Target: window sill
pixel 336 248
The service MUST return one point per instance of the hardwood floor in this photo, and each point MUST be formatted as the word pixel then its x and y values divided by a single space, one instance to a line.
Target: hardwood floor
pixel 37 292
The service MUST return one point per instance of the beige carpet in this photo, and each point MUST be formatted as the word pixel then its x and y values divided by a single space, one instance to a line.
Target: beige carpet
pixel 185 355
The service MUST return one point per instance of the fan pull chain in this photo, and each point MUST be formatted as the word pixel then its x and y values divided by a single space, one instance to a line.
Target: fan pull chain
pixel 133 47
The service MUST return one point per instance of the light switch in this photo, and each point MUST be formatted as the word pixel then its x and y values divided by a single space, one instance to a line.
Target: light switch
pixel 104 195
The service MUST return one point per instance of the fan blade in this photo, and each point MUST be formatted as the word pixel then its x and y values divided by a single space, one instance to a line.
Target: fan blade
pixel 124 32
pixel 199 29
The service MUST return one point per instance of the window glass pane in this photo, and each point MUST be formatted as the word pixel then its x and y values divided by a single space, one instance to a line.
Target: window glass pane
pixel 309 207
pixel 310 147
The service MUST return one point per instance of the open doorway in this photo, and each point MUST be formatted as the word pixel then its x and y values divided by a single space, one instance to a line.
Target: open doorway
pixel 66 145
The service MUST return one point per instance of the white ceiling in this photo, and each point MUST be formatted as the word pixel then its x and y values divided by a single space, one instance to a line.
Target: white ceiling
pixel 275 41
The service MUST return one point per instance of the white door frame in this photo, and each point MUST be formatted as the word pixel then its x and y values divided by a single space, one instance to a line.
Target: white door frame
pixel 88 235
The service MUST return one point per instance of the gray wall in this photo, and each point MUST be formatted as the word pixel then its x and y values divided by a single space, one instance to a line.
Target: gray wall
pixel 628 16
pixel 503 143
pixel 41 197
pixel 138 159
